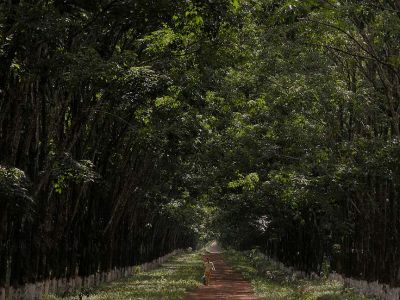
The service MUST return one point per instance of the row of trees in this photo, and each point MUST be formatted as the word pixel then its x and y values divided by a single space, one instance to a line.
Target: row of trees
pixel 130 128
pixel 305 135
pixel 94 134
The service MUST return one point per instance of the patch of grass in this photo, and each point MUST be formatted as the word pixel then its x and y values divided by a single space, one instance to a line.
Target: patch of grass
pixel 170 281
pixel 270 283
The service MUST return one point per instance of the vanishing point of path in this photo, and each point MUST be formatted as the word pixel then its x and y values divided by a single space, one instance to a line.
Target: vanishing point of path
pixel 225 282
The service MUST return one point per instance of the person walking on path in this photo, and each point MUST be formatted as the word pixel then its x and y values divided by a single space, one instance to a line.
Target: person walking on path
pixel 226 283
pixel 208 268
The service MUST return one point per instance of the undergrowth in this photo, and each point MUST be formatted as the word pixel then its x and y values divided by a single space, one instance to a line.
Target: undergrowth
pixel 170 281
pixel 273 284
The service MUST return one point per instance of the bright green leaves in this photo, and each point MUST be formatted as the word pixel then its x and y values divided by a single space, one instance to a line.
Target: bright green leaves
pixel 143 115
pixel 14 184
pixel 15 68
pixel 171 100
pixel 59 184
pixel 208 123
pixel 158 41
pixel 67 170
pixel 290 184
pixel 235 4
pixel 191 21
pixel 167 102
pixel 179 36
pixel 195 20
pixel 248 182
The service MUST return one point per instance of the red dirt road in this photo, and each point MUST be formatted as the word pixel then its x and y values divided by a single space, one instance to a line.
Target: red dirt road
pixel 225 283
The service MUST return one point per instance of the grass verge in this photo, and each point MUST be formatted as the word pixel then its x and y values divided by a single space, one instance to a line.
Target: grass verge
pixel 179 274
pixel 271 283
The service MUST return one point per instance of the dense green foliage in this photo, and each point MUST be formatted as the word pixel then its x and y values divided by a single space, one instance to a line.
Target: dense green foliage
pixel 95 132
pixel 305 149
pixel 129 128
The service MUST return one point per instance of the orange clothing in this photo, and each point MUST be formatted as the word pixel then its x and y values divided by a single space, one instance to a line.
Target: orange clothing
pixel 208 266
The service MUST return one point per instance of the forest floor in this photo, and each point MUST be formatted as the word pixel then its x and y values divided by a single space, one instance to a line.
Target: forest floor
pixel 177 275
pixel 180 278
pixel 274 284
pixel 226 283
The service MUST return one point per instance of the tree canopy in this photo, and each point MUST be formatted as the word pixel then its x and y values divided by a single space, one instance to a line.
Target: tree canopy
pixel 129 128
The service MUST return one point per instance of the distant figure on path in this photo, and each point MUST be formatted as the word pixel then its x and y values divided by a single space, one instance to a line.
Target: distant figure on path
pixel 208 267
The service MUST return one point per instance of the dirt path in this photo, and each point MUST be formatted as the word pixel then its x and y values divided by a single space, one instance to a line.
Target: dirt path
pixel 225 282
